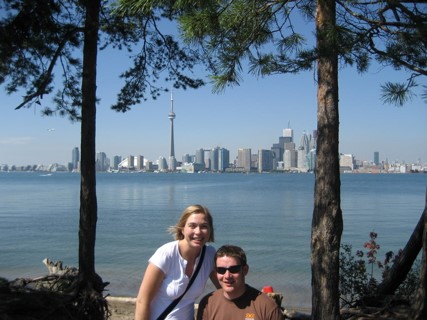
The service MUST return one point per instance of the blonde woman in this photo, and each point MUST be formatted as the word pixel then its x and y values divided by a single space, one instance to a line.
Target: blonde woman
pixel 172 266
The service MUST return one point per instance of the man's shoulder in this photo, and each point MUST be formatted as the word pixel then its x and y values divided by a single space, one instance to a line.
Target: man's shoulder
pixel 212 295
pixel 261 297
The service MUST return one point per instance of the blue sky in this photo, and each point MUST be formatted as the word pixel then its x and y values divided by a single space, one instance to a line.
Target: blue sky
pixel 251 115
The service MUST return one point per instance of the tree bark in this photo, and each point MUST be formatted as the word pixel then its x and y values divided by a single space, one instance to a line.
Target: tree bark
pixel 403 264
pixel 420 304
pixel 327 223
pixel 88 201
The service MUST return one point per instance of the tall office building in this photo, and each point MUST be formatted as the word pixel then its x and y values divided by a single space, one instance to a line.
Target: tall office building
pixel 288 133
pixel 162 165
pixel 207 159
pixel 116 162
pixel 172 161
pixel 223 159
pixel 290 158
pixel 139 166
pixel 279 148
pixel 303 150
pixel 102 162
pixel 213 155
pixel 265 160
pixel 376 158
pixel 200 157
pixel 186 158
pixel 244 159
pixel 75 156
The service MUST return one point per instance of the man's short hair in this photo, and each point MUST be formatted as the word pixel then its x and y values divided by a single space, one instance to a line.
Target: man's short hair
pixel 232 251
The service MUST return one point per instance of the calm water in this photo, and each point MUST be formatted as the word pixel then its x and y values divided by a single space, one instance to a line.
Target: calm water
pixel 269 215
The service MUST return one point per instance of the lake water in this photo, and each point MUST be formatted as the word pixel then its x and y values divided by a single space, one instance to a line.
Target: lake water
pixel 268 215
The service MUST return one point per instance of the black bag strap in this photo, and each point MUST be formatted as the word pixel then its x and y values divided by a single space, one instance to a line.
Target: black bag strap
pixel 176 301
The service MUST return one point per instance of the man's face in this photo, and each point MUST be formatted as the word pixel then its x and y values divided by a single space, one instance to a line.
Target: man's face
pixel 231 276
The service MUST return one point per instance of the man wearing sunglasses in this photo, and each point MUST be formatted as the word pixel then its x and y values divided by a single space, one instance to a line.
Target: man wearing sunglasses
pixel 236 300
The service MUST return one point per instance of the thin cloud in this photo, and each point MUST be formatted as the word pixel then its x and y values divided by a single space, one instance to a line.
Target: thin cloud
pixel 18 141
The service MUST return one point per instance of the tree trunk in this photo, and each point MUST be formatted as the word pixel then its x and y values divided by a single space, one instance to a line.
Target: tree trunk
pixel 88 201
pixel 327 221
pixel 403 264
pixel 420 304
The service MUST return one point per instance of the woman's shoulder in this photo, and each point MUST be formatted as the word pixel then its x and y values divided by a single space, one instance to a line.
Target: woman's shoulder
pixel 169 245
pixel 168 248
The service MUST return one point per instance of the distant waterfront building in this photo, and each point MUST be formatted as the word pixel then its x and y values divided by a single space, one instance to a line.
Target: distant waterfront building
pixel 127 163
pixel 302 159
pixel 102 162
pixel 311 160
pixel 75 158
pixel 376 158
pixel 214 158
pixel 116 162
pixel 290 158
pixel 279 148
pixel 162 164
pixel 244 159
pixel 200 156
pixel 191 167
pixel 346 162
pixel 186 158
pixel 265 160
pixel 207 157
pixel 223 159
pixel 139 163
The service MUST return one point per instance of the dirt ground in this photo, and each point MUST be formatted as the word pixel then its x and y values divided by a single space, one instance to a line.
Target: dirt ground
pixel 121 308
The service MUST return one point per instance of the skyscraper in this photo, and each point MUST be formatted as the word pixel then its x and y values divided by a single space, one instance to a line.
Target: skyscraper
pixel 75 156
pixel 200 156
pixel 376 158
pixel 265 160
pixel 284 140
pixel 244 159
pixel 223 159
pixel 172 162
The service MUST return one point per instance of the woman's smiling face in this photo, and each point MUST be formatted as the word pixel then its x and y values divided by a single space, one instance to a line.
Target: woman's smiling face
pixel 196 231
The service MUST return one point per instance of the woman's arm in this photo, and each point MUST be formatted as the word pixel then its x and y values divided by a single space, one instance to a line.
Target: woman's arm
pixel 151 283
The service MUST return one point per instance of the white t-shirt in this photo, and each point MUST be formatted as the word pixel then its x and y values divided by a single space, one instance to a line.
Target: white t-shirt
pixel 169 260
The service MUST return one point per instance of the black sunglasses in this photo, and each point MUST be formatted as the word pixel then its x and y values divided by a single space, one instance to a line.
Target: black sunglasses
pixel 232 269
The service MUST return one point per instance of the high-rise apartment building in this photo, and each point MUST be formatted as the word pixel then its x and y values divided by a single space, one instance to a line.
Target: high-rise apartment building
pixel 223 159
pixel 265 160
pixel 290 158
pixel 75 158
pixel 376 158
pixel 186 158
pixel 279 148
pixel 244 159
pixel 162 164
pixel 139 165
pixel 346 162
pixel 102 162
pixel 116 162
pixel 213 156
pixel 200 156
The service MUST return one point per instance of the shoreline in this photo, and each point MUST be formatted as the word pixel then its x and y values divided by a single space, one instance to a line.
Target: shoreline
pixel 123 308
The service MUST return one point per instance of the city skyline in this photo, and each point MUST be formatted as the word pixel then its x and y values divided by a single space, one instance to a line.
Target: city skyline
pixel 288 135
pixel 251 115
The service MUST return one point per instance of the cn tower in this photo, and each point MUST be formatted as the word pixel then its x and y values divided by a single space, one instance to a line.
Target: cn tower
pixel 172 163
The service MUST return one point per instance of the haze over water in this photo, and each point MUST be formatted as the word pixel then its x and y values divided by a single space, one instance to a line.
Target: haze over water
pixel 268 215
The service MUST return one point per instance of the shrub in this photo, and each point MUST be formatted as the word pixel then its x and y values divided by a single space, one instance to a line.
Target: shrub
pixel 357 282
